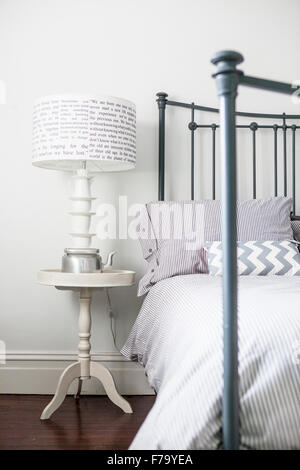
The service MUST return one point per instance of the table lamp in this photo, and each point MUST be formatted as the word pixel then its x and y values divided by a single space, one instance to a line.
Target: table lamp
pixel 83 134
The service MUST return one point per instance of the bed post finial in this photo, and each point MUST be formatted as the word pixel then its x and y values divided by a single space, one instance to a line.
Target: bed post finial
pixel 227 80
pixel 227 75
pixel 226 61
pixel 161 101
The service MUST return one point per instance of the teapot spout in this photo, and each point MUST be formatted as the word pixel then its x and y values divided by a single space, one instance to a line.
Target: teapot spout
pixel 110 259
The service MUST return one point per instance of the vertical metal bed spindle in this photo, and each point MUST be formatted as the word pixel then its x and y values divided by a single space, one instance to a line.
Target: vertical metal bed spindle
pixel 227 81
pixel 161 101
pixel 192 127
pixel 294 127
pixel 275 128
pixel 253 127
pixel 213 129
pixel 284 128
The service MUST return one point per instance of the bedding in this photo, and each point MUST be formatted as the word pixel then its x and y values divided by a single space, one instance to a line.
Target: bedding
pixel 172 234
pixel 177 337
pixel 257 258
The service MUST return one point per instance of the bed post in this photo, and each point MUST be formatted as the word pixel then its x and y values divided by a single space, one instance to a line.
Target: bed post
pixel 161 101
pixel 227 79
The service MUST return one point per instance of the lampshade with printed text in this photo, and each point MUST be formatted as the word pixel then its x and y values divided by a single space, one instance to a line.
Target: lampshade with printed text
pixel 71 129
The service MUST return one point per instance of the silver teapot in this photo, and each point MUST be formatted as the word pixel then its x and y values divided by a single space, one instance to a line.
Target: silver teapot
pixel 84 260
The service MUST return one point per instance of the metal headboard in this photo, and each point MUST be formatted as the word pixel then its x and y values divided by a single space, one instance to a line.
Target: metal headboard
pixel 253 126
pixel 228 78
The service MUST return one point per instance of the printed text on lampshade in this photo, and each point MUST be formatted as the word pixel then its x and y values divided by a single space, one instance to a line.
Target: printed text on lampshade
pixel 69 129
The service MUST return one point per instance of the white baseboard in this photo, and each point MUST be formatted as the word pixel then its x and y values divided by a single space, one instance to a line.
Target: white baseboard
pixel 38 373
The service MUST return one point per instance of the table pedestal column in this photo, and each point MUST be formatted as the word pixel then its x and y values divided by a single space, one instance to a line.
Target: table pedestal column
pixel 85 368
pixel 84 327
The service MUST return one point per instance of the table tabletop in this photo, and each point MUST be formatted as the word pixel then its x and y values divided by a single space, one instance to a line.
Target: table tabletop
pixel 107 278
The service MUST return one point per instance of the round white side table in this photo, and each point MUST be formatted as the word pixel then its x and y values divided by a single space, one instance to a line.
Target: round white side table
pixel 84 368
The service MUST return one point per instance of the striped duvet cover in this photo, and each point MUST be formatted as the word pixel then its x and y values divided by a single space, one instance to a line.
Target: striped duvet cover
pixel 177 337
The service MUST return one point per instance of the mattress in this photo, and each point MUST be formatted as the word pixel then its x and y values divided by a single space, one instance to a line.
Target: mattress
pixel 177 337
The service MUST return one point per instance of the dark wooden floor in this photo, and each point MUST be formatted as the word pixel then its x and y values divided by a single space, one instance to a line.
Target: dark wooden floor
pixel 92 423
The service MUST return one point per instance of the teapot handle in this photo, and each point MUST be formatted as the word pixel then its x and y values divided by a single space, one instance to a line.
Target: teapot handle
pixel 109 261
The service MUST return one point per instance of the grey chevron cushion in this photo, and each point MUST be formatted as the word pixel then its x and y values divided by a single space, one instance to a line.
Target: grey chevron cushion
pixel 256 258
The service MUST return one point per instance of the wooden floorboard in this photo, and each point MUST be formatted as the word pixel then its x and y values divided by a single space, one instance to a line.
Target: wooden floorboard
pixel 92 423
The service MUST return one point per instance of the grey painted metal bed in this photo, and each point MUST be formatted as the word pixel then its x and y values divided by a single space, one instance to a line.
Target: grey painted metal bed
pixel 228 78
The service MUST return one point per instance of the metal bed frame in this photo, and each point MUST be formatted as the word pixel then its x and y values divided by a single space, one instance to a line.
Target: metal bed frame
pixel 228 78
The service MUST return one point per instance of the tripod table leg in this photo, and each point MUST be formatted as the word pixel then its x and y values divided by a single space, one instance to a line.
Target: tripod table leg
pixel 69 374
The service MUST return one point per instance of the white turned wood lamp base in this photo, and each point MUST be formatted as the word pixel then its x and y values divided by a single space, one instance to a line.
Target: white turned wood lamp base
pixel 85 368
pixel 81 214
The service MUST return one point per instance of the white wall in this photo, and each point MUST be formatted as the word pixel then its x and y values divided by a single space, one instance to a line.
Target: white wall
pixel 126 48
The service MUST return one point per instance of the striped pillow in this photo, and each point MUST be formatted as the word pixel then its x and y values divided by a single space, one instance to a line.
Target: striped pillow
pixel 256 258
pixel 172 234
